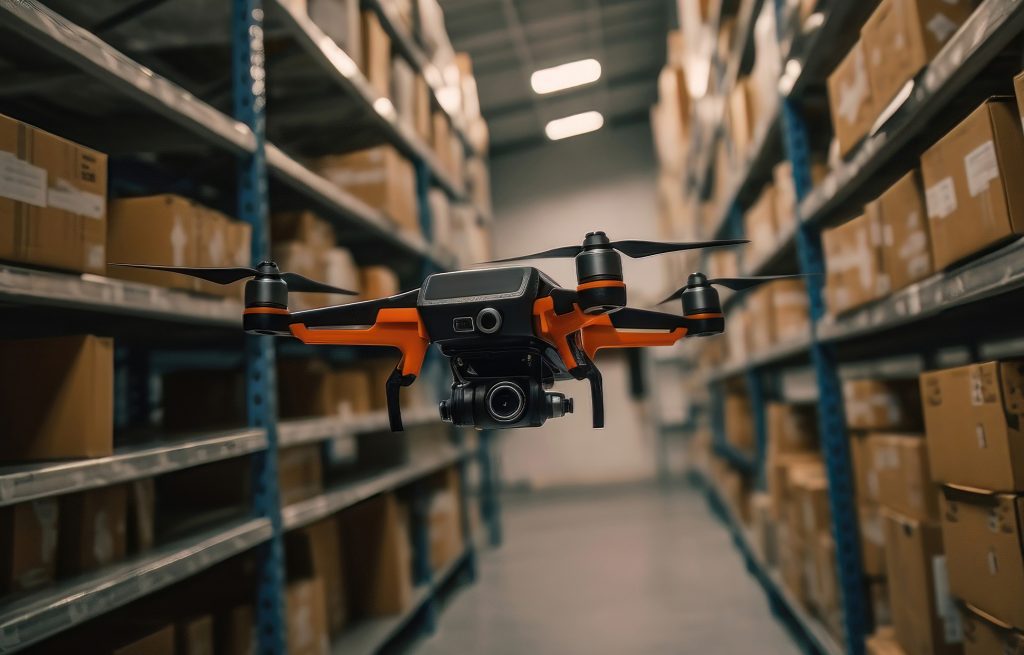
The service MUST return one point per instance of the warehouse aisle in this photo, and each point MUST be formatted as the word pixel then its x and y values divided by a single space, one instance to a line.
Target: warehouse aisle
pixel 612 571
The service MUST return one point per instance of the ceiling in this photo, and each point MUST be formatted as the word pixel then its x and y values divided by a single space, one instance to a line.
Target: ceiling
pixel 509 39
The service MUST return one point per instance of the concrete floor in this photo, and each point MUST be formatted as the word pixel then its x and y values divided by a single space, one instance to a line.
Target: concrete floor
pixel 617 571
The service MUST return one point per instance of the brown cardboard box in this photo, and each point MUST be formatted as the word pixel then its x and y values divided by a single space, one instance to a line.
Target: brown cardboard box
pixel 866 486
pixel 378 282
pixel 811 490
pixel 902 36
pixel 299 473
pixel 882 404
pixel 971 206
pixel 421 109
pixel 850 100
pixel 791 428
pixel 781 470
pixel 742 116
pixel 194 635
pixel 159 642
pixel 93 529
pixel 303 226
pixel 791 563
pixel 378 562
pixel 825 583
pixel 790 310
pixel 196 400
pixel 883 642
pixel 761 225
pixel 28 545
pixel 986 635
pixel 304 259
pixel 739 421
pixel 872 540
pixel 141 529
pixel 982 530
pixel 325 553
pixel 381 177
pixel 53 197
pixel 878 596
pixel 906 249
pixel 442 138
pixel 306 387
pixel 212 230
pixel 972 418
pixel 853 259
pixel 1018 91
pixel 785 194
pixel 904 481
pixel 763 528
pixel 160 229
pixel 354 394
pixel 444 518
pixel 340 270
pixel 307 618
pixel 68 409
pixel 376 54
pixel 760 305
pixel 236 631
pixel 923 614
pixel 339 19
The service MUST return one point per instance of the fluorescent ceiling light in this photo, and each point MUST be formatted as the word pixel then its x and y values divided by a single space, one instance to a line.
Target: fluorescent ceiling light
pixel 563 128
pixel 566 76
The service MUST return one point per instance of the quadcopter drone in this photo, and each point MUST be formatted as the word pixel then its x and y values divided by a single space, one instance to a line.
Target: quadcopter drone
pixel 509 333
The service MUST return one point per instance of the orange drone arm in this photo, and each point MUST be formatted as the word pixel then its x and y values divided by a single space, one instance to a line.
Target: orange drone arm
pixel 605 335
pixel 557 328
pixel 397 327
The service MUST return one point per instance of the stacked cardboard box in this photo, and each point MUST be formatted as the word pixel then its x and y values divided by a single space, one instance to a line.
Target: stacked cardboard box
pixel 304 243
pixel 299 473
pixel 314 388
pixel 378 557
pixel 375 56
pixel 853 262
pixel 317 550
pixel 339 19
pixel 444 518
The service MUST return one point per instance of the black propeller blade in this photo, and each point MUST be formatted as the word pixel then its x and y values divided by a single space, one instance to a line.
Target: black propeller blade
pixel 229 275
pixel 736 283
pixel 630 248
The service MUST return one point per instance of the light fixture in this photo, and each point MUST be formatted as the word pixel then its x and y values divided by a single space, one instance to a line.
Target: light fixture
pixel 563 128
pixel 565 76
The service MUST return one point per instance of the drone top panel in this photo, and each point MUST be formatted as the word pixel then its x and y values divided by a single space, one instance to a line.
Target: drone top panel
pixel 471 286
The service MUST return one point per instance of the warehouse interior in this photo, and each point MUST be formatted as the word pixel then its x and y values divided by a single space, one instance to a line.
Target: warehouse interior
pixel 345 327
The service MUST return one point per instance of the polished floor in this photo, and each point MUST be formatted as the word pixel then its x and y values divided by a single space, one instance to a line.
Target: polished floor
pixel 623 570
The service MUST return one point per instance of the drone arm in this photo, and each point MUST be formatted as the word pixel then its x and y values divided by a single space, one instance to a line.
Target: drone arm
pixel 621 329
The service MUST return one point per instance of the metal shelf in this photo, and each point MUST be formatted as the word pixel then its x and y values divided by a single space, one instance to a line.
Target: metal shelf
pixel 343 208
pixel 347 494
pixel 21 482
pixel 369 636
pixel 778 353
pixel 344 71
pixel 738 459
pixel 812 630
pixel 93 56
pixel 992 26
pixel 295 432
pixel 96 293
pixel 996 273
pixel 29 619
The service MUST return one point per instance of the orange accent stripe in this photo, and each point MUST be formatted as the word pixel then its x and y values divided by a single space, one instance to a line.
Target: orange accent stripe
pixel 600 284
pixel 700 316
pixel 265 310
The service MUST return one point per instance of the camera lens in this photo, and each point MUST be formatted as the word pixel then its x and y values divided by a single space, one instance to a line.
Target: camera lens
pixel 505 402
pixel 557 404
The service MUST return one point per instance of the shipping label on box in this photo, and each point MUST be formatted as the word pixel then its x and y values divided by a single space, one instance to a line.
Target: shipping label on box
pixel 161 230
pixel 853 256
pixel 850 99
pixel 882 404
pixel 905 242
pixel 905 485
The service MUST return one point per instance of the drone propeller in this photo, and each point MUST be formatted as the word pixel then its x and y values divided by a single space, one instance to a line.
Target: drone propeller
pixel 735 283
pixel 630 248
pixel 233 274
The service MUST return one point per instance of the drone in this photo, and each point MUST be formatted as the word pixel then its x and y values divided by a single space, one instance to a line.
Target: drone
pixel 509 333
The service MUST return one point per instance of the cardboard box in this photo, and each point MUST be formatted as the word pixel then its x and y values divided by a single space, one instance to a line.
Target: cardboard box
pixel 354 394
pixel 212 230
pixel 780 470
pixel 739 421
pixel 986 635
pixel 67 410
pixel 403 90
pixel 339 19
pixel 760 305
pixel 867 486
pixel 825 583
pixel 791 428
pixel 161 229
pixel 872 540
pixel 883 642
pixel 194 635
pixel 906 248
pixel 53 200
pixel 982 530
pixel 306 387
pixel 791 563
pixel 972 205
pixel 850 100
pixel 235 630
pixel 790 313
pixel 444 519
pixel 378 562
pixel 376 53
pixel 972 420
pixel 141 529
pixel 763 528
pixel 923 614
pixel 760 225
pixel 304 259
pixel 902 36
pixel 158 642
pixel 28 545
pixel 878 596
pixel 320 545
pixel 1018 91
pixel 421 109
pixel 853 260
pixel 340 271
pixel 381 177
pixel 882 404
pixel 811 491
pixel 441 138
pixel 378 282
pixel 306 618
pixel 299 473
pixel 198 400
pixel 904 481
pixel 303 226
pixel 93 529
pixel 785 194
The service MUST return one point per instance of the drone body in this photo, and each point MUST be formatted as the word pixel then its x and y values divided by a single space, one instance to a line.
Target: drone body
pixel 508 333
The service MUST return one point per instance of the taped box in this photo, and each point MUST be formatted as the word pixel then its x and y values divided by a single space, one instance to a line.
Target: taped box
pixel 906 246
pixel 853 261
pixel 850 100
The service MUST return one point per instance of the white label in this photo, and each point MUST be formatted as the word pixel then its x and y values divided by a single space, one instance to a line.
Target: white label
pixel 993 563
pixel 979 432
pixel 21 181
pixel 63 195
pixel 941 27
pixel 179 241
pixel 977 390
pixel 940 198
pixel 981 167
pixel 944 605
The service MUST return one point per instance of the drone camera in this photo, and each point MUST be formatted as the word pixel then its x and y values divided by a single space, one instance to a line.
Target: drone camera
pixel 503 404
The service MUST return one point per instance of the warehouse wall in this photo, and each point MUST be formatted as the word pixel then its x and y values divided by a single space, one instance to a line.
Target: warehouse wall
pixel 552 195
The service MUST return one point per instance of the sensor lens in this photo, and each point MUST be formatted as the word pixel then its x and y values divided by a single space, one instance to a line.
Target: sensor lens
pixel 505 402
pixel 488 320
